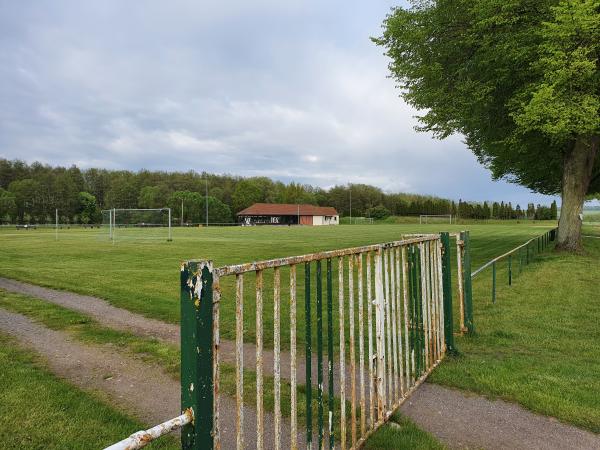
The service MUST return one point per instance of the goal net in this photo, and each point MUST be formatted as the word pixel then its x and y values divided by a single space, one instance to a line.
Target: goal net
pixel 435 218
pixel 120 224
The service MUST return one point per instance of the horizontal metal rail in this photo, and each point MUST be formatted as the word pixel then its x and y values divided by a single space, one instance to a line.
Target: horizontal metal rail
pixel 292 260
pixel 380 360
pixel 142 438
pixel 504 255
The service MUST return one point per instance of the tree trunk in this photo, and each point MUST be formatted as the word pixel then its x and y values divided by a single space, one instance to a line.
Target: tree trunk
pixel 577 172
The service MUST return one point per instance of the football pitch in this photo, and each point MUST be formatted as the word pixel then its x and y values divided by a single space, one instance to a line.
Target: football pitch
pixel 142 275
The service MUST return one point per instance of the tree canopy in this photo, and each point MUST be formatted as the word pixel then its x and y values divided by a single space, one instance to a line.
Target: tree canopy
pixel 519 79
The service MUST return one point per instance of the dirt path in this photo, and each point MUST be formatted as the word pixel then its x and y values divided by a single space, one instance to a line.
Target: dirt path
pixel 143 390
pixel 124 320
pixel 460 420
pixel 470 421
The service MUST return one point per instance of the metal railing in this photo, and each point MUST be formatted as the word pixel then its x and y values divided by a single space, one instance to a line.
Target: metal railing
pixel 393 320
pixel 525 253
pixel 393 326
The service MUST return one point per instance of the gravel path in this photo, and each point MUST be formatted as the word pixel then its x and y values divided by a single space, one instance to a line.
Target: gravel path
pixel 469 421
pixel 460 420
pixel 143 390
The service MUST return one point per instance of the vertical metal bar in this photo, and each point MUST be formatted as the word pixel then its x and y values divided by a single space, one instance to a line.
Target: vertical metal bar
pixel 461 282
pixel 320 356
pixel 387 325
pixel 509 270
pixel 447 282
pixel 419 308
pixel 330 353
pixel 352 350
pixel 430 339
pixel 293 405
pixel 406 317
pixel 468 282
pixel 398 319
pixel 414 313
pixel 361 345
pixel 216 340
pixel 441 312
pixel 239 359
pixel 342 353
pixel 379 330
pixel 434 302
pixel 424 296
pixel 197 353
pixel 370 342
pixel 308 356
pixel 277 353
pixel 494 282
pixel 392 259
pixel 259 361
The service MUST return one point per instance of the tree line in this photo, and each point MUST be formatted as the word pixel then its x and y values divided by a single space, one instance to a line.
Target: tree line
pixel 31 193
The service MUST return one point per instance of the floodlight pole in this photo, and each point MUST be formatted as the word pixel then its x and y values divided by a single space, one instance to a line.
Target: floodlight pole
pixel 206 199
pixel 350 190
pixel 56 227
pixel 298 214
pixel 182 212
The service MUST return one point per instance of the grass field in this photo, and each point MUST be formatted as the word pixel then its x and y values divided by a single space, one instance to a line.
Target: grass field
pixel 534 346
pixel 143 275
pixel 537 345
pixel 40 411
pixel 404 434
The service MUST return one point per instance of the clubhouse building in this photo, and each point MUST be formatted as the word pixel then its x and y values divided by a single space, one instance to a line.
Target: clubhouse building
pixel 288 214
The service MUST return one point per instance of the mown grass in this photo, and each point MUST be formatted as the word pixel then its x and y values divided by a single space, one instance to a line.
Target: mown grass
pixel 89 331
pixel 143 275
pixel 401 433
pixel 538 344
pixel 40 411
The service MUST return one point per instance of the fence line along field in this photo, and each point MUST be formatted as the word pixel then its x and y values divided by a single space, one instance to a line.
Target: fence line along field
pixel 142 276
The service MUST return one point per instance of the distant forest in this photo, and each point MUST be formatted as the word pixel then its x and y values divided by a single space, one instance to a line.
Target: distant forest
pixel 30 193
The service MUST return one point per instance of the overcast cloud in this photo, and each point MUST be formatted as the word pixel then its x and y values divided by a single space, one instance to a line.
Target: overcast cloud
pixel 292 90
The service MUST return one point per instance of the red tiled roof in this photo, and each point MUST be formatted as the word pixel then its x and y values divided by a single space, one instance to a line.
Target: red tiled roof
pixel 287 209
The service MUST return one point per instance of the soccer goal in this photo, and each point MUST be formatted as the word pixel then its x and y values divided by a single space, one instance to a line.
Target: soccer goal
pixel 151 223
pixel 435 218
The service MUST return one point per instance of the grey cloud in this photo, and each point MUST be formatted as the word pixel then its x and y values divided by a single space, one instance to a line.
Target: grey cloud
pixel 293 90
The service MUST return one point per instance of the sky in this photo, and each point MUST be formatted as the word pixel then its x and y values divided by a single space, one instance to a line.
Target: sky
pixel 293 90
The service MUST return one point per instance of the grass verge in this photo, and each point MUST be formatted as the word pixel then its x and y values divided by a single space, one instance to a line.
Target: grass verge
pixel 538 344
pixel 40 411
pixel 89 331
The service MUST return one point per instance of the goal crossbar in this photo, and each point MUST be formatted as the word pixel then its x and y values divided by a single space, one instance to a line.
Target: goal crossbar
pixel 113 213
pixel 423 217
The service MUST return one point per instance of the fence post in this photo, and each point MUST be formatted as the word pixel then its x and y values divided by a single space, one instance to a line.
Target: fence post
pixel 197 353
pixel 447 285
pixel 494 282
pixel 510 270
pixel 468 288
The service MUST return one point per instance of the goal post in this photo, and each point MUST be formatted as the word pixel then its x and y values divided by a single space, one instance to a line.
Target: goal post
pixel 137 223
pixel 430 218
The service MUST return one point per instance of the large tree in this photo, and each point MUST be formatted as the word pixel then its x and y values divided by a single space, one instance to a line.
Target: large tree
pixel 519 79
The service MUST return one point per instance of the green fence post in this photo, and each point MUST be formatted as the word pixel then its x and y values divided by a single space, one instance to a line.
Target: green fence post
pixel 308 347
pixel 510 270
pixel 197 353
pixel 319 356
pixel 494 282
pixel 467 282
pixel 330 352
pixel 412 310
pixel 447 288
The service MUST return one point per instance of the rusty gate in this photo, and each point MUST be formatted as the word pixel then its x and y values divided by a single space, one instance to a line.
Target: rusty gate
pixel 328 383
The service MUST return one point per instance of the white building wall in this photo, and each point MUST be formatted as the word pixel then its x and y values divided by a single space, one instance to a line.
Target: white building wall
pixel 326 220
